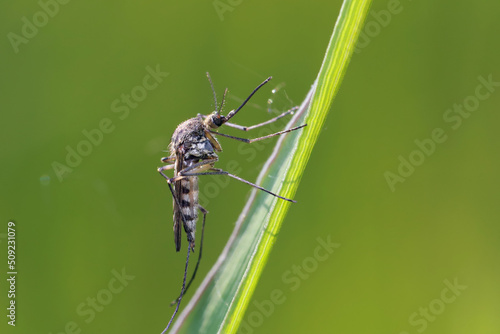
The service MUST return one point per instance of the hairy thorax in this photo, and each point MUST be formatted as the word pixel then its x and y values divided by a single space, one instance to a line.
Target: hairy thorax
pixel 190 139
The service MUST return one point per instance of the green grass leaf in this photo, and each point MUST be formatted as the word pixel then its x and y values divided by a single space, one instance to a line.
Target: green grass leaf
pixel 219 304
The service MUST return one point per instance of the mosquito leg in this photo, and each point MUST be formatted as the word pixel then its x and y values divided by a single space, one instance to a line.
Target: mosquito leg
pixel 217 171
pixel 182 291
pixel 204 211
pixel 168 160
pixel 166 167
pixel 196 168
pixel 248 128
pixel 199 165
pixel 252 184
pixel 160 170
pixel 249 141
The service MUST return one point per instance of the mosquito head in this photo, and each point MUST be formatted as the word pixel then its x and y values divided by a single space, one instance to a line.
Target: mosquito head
pixel 214 120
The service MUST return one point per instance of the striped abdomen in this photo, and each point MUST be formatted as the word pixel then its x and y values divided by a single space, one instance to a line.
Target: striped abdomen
pixel 186 191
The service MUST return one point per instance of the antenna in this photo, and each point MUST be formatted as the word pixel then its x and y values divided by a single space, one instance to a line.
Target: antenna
pixel 223 100
pixel 213 90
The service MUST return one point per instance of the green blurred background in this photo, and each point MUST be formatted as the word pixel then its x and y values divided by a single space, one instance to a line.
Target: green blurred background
pixel 112 213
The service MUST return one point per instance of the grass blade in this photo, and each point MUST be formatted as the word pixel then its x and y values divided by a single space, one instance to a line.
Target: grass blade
pixel 221 300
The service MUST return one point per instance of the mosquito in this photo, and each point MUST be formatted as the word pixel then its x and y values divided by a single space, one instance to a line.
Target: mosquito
pixel 193 152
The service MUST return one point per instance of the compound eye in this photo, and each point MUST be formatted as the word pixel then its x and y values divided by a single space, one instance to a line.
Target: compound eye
pixel 217 120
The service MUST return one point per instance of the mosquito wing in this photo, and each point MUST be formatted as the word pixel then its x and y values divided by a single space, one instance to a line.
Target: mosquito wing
pixel 179 162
